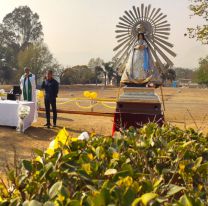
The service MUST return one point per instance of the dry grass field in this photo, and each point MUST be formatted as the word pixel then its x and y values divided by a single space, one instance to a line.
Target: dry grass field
pixel 184 107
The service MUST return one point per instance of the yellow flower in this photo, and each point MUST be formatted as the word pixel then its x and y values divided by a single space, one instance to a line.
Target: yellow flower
pixel 16 193
pixel 86 94
pixel 50 151
pixel 90 156
pixel 39 159
pixel 65 152
pixel 74 139
pixel 61 198
pixel 62 136
pixel 127 182
pixel 3 191
pixel 115 155
pixel 40 94
pixel 92 134
pixel 102 156
pixel 87 168
pixel 95 193
pixel 200 186
pixel 181 167
pixel 93 95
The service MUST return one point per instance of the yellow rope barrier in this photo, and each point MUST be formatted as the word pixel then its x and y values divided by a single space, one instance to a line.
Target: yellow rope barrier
pixel 96 99
pixel 86 107
pixel 70 101
pixel 89 96
pixel 107 106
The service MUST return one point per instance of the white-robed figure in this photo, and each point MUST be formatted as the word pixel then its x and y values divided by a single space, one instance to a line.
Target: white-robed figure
pixel 139 67
pixel 28 87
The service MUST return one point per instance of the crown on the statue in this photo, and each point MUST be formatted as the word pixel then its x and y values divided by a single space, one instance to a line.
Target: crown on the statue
pixel 140 28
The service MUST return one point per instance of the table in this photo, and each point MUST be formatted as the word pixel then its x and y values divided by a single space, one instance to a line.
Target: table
pixel 9 113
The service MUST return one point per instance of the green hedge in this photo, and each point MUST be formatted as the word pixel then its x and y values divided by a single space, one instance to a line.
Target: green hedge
pixel 150 166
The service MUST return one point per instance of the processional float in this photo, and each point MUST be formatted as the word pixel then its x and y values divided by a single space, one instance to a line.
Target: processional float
pixel 138 104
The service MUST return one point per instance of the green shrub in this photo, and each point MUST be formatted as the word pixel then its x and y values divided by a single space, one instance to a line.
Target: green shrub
pixel 150 166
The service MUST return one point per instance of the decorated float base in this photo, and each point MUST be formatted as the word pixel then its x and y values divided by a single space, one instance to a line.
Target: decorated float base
pixel 137 106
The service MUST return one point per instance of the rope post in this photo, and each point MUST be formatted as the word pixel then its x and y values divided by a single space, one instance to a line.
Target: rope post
pixel 119 89
pixel 161 90
pixel 92 106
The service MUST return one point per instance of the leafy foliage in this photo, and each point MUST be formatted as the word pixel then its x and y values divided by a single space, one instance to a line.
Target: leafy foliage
pixel 200 8
pixel 7 63
pixel 21 44
pixel 168 74
pixel 23 26
pixel 104 71
pixel 38 57
pixel 202 72
pixel 150 166
pixel 79 74
pixel 184 73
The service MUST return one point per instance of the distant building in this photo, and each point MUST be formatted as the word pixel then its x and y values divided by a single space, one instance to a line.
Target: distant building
pixel 187 83
pixel 184 82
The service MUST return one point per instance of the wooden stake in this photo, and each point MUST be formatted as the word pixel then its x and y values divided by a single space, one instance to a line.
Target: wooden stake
pixel 162 97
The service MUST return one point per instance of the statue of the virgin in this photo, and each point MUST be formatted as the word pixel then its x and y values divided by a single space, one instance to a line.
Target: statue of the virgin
pixel 139 68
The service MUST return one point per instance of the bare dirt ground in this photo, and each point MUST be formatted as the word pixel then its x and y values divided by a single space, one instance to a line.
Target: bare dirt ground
pixel 184 107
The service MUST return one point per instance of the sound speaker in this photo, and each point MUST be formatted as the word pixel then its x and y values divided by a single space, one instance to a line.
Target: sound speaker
pixel 11 97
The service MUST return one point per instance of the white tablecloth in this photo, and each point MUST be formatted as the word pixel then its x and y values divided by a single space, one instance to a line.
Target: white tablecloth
pixel 9 113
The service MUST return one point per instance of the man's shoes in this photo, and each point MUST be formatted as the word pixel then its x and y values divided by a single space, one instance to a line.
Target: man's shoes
pixel 54 125
pixel 47 125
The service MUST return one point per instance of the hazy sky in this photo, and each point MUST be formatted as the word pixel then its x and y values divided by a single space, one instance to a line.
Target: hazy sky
pixel 76 30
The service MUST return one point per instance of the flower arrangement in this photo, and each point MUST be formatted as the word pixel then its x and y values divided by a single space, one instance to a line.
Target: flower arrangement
pixel 2 93
pixel 23 112
pixel 39 95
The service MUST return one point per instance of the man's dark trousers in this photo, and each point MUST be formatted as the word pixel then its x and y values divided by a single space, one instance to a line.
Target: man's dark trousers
pixel 52 102
pixel 51 92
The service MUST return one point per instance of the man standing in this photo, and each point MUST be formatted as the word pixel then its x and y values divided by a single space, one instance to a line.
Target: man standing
pixel 28 87
pixel 51 87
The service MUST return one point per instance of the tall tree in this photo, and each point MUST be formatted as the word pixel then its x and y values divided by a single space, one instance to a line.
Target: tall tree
pixel 202 72
pixel 109 70
pixel 96 64
pixel 168 74
pixel 23 26
pixel 200 8
pixel 6 73
pixel 184 73
pixel 8 49
pixel 6 37
pixel 7 64
pixel 37 57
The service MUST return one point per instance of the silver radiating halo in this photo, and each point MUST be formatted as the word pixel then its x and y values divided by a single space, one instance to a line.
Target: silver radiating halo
pixel 150 21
